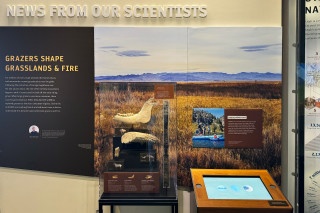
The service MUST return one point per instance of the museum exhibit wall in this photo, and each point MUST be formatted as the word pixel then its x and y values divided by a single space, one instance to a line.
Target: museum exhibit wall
pixel 33 191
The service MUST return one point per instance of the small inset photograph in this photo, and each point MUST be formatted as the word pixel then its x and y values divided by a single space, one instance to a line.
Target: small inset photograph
pixel 208 128
pixel 317 104
pixel 34 130
pixel 309 102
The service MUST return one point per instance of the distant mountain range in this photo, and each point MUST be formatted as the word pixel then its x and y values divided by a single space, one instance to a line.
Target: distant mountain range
pixel 194 76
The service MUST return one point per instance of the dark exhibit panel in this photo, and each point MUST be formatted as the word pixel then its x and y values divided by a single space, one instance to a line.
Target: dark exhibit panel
pixel 47 96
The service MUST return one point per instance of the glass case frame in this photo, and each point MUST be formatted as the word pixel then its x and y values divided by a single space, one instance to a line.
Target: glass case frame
pixel 138 126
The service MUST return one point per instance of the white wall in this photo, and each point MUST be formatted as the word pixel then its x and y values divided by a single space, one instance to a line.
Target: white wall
pixel 32 192
pixel 37 192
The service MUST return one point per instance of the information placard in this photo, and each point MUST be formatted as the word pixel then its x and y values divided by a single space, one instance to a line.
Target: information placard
pixel 46 108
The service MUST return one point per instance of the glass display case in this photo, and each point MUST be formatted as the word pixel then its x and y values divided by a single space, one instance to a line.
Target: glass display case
pixel 137 156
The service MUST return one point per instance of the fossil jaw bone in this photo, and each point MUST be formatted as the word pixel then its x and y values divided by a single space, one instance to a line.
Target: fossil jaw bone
pixel 117 152
pixel 117 165
pixel 139 137
pixel 148 177
pixel 143 116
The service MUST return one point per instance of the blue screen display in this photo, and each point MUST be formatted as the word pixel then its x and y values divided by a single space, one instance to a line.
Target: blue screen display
pixel 242 188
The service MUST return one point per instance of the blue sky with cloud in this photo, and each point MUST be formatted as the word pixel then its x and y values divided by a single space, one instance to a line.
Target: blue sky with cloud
pixel 133 53
pixel 123 51
pixel 110 47
pixel 256 48
pixel 140 50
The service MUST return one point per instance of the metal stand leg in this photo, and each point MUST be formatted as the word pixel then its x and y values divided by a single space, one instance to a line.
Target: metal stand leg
pixel 100 208
pixel 174 206
pixel 111 208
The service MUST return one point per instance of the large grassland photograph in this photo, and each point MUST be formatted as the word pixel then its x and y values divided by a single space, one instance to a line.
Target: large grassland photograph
pixel 219 68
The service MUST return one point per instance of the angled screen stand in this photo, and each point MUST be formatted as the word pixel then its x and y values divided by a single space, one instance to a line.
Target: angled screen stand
pixel 231 190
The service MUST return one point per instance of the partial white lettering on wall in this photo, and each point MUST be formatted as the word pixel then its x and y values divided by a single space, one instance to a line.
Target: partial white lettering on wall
pixel 109 11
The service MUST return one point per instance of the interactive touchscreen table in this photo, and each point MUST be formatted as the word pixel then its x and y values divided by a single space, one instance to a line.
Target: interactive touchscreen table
pixel 232 190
